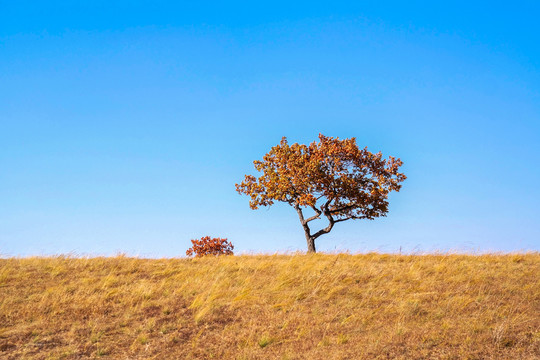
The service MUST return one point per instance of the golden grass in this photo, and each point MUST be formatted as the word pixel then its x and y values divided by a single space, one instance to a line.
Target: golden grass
pixel 322 306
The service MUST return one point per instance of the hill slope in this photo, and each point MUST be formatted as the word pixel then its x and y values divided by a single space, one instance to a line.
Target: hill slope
pixel 272 307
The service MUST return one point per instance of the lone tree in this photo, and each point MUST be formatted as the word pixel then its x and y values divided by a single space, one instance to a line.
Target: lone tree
pixel 333 177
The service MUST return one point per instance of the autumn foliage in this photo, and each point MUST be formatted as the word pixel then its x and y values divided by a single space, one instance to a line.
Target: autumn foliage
pixel 210 246
pixel 332 177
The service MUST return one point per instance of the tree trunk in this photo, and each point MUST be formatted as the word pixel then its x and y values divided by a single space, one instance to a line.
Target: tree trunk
pixel 310 244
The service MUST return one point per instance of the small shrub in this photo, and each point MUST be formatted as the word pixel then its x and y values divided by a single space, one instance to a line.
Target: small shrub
pixel 102 352
pixel 342 339
pixel 143 340
pixel 265 341
pixel 210 246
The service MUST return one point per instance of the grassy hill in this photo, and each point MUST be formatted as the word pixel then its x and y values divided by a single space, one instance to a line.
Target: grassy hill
pixel 272 307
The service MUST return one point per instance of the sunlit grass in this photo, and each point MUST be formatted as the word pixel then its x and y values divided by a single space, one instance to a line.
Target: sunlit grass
pixel 272 306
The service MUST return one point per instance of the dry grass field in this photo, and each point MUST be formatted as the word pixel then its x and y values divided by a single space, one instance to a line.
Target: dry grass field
pixel 322 306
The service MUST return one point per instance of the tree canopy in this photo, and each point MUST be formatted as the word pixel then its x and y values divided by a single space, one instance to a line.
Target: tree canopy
pixel 333 177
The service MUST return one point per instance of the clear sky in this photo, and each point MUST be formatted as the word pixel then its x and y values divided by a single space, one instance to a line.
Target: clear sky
pixel 124 125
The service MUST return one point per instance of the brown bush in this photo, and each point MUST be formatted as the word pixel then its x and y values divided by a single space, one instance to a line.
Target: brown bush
pixel 210 246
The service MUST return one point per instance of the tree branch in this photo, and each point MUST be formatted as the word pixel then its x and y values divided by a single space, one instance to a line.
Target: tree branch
pixel 347 218
pixel 352 218
pixel 331 221
pixel 348 207
pixel 302 220
pixel 317 216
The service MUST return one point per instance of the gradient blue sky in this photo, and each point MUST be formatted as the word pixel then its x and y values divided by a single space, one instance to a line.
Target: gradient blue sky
pixel 125 125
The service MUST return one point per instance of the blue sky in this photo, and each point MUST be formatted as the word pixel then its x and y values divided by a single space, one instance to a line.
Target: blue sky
pixel 124 127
